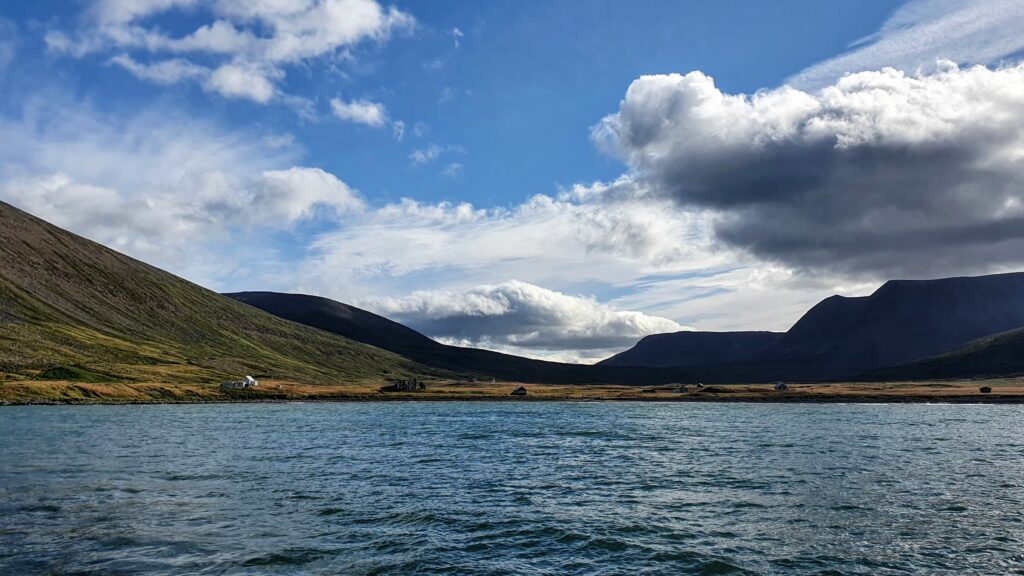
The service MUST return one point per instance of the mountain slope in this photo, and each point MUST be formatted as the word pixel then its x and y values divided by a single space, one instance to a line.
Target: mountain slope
pixel 67 301
pixel 902 321
pixel 692 349
pixel 370 328
pixel 996 356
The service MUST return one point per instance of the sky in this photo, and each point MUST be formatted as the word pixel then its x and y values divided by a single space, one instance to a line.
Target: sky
pixel 552 179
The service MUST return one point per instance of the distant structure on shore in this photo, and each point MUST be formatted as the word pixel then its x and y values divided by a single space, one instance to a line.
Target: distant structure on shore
pixel 520 391
pixel 781 387
pixel 410 385
pixel 248 382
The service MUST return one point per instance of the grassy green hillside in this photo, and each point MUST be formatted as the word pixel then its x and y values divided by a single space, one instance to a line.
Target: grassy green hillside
pixel 71 309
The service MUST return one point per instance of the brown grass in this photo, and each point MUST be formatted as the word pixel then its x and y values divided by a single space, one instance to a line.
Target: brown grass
pixel 19 390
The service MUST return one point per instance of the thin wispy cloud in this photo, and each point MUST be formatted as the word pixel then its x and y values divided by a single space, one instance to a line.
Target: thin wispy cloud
pixel 923 32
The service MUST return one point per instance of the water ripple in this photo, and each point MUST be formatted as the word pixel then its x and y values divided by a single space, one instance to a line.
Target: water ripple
pixel 481 489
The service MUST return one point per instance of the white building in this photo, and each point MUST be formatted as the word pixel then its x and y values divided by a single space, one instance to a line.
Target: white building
pixel 248 382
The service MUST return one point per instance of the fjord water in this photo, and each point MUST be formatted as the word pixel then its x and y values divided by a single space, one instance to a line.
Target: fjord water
pixel 512 488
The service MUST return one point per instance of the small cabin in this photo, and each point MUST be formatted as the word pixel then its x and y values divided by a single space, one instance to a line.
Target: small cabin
pixel 248 382
pixel 781 387
pixel 520 391
pixel 682 389
pixel 985 389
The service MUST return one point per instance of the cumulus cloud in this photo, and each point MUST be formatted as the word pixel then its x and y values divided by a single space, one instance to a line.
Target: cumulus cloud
pixel 520 316
pixel 964 31
pixel 361 112
pixel 243 81
pixel 249 43
pixel 883 173
pixel 296 194
pixel 166 189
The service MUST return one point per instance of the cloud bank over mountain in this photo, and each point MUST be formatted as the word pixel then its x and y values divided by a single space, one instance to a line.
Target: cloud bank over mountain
pixel 882 173
pixel 520 316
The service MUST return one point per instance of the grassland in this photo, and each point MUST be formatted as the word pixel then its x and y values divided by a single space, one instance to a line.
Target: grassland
pixel 21 390
pixel 72 309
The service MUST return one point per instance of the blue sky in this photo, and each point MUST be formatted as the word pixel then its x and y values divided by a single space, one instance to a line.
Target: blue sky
pixel 479 170
pixel 540 74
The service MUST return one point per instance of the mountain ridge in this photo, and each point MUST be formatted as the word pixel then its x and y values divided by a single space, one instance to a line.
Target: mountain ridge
pixel 66 301
pixel 367 327
pixel 692 348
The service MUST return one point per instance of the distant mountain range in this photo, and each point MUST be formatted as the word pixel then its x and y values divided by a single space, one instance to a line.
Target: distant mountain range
pixel 73 309
pixel 904 321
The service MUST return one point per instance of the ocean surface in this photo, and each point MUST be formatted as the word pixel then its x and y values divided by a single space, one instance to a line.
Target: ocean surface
pixel 512 488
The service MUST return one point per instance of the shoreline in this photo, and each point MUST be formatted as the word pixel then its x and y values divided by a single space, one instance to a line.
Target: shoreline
pixel 66 393
pixel 796 399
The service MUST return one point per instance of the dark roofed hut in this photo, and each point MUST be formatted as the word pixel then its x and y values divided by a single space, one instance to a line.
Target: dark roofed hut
pixel 985 389
pixel 520 391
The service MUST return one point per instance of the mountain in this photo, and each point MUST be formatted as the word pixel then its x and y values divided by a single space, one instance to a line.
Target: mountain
pixel 693 349
pixel 996 356
pixel 840 337
pixel 72 308
pixel 363 326
pixel 902 321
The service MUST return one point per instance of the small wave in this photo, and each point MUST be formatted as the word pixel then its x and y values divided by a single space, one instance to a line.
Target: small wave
pixel 290 557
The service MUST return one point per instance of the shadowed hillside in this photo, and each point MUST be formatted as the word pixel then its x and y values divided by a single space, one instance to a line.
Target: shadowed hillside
pixel 693 349
pixel 71 309
pixel 901 322
pixel 370 328
pixel 1000 355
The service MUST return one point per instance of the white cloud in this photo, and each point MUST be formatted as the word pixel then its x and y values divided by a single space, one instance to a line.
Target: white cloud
pixel 598 236
pixel 170 71
pixel 290 196
pixel 432 152
pixel 452 170
pixel 457 36
pixel 922 32
pixel 251 43
pixel 523 317
pixel 360 111
pixel 883 173
pixel 398 130
pixel 172 191
pixel 426 155
pixel 243 81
